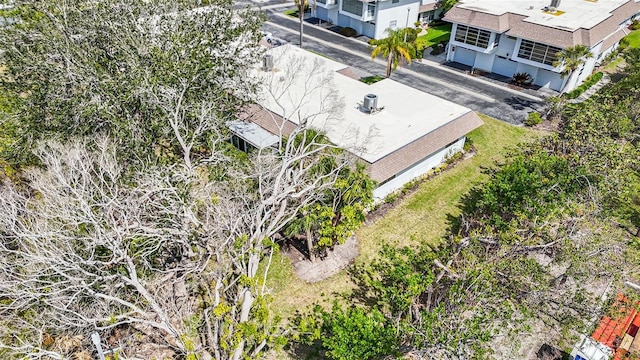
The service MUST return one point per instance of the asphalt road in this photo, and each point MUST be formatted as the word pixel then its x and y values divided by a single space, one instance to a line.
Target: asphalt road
pixel 493 100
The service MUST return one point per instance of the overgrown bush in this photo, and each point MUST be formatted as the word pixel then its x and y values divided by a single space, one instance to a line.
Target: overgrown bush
pixel 533 119
pixel 391 198
pixel 348 32
pixel 589 82
pixel 439 48
pixel 468 144
pixel 522 78
pixel 635 25
pixel 451 158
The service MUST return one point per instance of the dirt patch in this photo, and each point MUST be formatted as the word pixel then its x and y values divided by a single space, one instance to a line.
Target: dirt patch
pixel 548 126
pixel 328 265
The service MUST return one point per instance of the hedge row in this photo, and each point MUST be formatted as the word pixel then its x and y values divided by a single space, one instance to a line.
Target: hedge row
pixel 589 82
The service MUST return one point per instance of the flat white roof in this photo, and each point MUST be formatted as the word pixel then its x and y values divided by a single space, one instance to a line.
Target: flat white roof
pixel 254 134
pixel 299 91
pixel 576 13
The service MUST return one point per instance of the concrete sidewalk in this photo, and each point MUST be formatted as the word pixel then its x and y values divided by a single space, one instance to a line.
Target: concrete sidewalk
pixel 476 93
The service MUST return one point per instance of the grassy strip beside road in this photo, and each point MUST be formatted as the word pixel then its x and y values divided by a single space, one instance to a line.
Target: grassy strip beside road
pixel 421 217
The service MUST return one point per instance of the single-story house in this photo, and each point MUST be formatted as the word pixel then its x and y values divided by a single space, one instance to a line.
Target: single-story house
pixel 398 132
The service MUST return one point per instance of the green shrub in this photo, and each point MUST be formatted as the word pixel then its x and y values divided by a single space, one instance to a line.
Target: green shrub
pixel 522 78
pixel 438 48
pixel 372 79
pixel 623 44
pixel 348 32
pixel 468 144
pixel 451 158
pixel 533 119
pixel 635 25
pixel 391 198
pixel 589 82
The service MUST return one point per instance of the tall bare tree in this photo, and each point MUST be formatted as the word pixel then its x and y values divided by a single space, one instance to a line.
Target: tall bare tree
pixel 88 247
pixel 159 260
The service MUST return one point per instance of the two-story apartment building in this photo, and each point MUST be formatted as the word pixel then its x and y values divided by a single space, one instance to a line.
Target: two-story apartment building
pixel 524 36
pixel 373 17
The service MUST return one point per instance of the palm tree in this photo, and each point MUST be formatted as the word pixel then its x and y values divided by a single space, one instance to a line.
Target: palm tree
pixel 305 224
pixel 571 59
pixel 394 48
pixel 301 5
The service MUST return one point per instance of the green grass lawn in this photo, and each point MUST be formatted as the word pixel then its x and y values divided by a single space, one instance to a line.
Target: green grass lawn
pixel 291 12
pixel 421 217
pixel 633 39
pixel 434 35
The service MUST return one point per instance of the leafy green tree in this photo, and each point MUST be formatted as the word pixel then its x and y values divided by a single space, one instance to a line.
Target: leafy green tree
pixel 530 245
pixel 529 185
pixel 446 5
pixel 159 79
pixel 306 223
pixel 632 58
pixel 571 59
pixel 341 211
pixel 351 333
pixel 159 74
pixel 628 201
pixel 394 48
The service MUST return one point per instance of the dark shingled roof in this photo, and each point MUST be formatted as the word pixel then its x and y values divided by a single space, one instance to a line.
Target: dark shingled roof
pixel 517 26
pixel 393 163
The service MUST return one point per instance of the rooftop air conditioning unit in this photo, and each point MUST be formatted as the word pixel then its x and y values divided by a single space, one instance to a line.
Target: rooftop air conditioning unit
pixel 555 4
pixel 371 102
pixel 267 62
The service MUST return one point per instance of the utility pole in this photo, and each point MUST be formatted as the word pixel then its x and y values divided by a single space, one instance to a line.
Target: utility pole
pixel 406 27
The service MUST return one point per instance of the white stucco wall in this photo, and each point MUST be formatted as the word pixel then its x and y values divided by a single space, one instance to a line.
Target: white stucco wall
pixel 346 20
pixel 417 170
pixel 329 15
pixel 484 61
pixel 509 63
pixel 507 46
pixel 387 12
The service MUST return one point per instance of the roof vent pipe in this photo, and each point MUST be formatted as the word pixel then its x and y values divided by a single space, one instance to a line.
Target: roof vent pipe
pixel 267 62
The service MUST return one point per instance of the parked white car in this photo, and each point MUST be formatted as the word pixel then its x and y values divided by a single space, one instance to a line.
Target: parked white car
pixel 268 37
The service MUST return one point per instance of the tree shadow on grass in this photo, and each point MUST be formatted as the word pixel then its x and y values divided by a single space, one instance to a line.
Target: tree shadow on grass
pixel 301 351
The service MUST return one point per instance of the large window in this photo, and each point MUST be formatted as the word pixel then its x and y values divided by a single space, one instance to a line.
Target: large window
pixel 371 10
pixel 352 6
pixel 472 36
pixel 241 144
pixel 537 52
